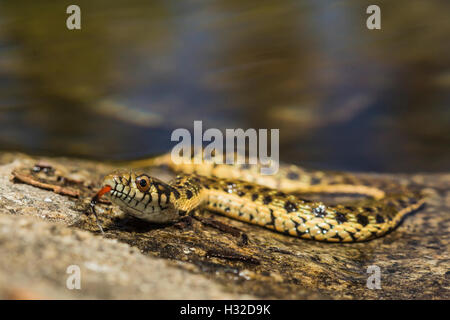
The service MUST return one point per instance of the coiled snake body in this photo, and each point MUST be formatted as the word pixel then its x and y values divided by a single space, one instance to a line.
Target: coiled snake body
pixel 240 192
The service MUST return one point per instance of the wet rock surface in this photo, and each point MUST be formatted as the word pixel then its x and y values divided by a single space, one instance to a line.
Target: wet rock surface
pixel 44 230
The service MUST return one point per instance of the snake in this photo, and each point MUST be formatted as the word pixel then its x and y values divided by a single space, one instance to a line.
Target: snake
pixel 273 201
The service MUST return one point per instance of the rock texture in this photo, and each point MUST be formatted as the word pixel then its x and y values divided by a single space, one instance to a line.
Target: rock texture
pixel 43 232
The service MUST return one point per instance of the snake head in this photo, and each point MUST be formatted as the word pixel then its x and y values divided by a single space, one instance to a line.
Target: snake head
pixel 141 195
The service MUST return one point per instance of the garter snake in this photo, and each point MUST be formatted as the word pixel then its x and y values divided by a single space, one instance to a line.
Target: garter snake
pixel 240 192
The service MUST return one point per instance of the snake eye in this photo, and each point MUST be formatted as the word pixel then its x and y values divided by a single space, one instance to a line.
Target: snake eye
pixel 143 183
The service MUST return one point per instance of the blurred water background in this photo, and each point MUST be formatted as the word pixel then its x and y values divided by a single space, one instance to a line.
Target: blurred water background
pixel 344 97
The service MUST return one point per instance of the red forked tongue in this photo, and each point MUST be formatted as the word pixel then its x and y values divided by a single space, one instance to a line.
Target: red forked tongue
pixel 94 201
pixel 102 191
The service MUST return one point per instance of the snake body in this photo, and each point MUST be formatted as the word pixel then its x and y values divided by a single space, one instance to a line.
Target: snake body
pixel 240 192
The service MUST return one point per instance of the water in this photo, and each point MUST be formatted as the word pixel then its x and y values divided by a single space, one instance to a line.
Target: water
pixel 343 97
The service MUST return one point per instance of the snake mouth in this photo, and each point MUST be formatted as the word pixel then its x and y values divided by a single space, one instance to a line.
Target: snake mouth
pixel 122 196
pixel 126 197
pixel 150 212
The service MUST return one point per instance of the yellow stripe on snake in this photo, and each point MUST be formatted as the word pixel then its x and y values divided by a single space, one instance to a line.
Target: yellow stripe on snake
pixel 240 192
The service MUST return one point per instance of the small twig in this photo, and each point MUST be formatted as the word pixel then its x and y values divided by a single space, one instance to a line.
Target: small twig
pixel 219 225
pixel 232 255
pixel 27 179
pixel 224 228
pixel 183 223
pixel 92 205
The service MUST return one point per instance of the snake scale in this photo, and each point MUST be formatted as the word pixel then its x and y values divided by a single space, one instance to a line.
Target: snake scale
pixel 240 192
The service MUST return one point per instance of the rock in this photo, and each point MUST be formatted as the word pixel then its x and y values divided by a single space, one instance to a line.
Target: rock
pixel 42 233
pixel 37 245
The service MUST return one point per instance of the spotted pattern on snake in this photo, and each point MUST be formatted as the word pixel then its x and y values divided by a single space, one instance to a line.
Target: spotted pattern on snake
pixel 240 192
